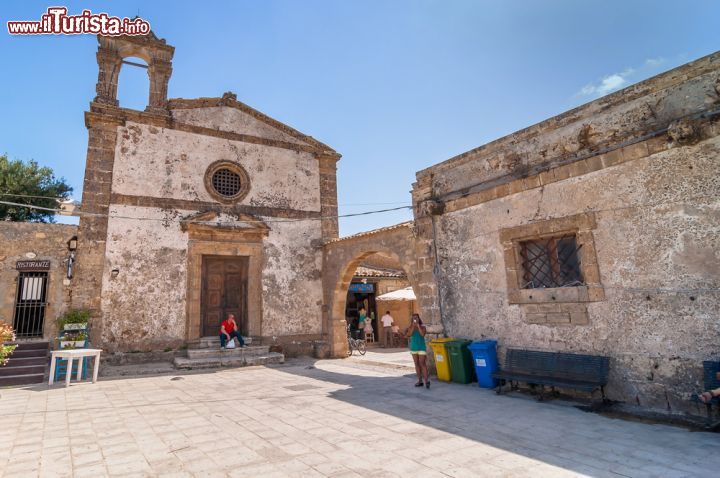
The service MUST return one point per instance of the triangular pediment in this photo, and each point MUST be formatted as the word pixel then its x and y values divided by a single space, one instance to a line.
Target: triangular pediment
pixel 230 115
pixel 224 222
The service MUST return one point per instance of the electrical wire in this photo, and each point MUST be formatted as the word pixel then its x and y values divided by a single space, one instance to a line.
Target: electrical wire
pixel 365 213
pixel 494 231
pixel 319 218
pixel 57 198
pixel 34 197
pixel 339 205
pixel 372 203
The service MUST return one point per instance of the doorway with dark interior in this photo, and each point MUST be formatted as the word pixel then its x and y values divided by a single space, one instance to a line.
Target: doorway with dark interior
pixel 361 295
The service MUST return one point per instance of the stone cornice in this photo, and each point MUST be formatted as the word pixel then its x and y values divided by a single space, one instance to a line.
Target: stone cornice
pixel 238 209
pixel 636 150
pixel 663 81
pixel 102 114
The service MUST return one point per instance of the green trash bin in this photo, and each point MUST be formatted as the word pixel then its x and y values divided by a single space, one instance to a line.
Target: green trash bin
pixel 461 363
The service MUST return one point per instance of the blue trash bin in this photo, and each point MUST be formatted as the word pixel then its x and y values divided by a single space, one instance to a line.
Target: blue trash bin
pixel 485 360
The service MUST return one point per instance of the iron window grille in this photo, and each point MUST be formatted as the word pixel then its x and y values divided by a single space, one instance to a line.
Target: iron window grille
pixel 30 302
pixel 226 182
pixel 551 262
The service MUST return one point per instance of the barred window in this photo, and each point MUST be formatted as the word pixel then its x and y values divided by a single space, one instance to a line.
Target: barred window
pixel 227 183
pixel 551 262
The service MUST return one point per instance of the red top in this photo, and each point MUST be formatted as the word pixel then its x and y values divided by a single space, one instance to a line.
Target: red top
pixel 228 325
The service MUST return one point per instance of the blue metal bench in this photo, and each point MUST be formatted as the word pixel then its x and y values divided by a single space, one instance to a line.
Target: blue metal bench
pixel 555 369
pixel 710 382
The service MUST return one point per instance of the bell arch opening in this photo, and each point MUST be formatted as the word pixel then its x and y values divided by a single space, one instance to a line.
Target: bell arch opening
pixel 133 84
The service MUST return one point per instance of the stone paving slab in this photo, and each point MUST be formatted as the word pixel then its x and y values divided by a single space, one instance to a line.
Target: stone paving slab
pixel 336 418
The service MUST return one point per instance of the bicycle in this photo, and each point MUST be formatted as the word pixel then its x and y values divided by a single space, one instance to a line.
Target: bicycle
pixel 357 344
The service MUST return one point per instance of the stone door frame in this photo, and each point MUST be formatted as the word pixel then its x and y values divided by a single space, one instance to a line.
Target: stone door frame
pixel 210 240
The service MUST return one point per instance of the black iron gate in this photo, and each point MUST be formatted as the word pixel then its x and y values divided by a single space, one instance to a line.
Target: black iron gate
pixel 30 303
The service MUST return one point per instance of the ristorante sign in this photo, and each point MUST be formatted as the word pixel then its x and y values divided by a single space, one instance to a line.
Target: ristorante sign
pixel 29 266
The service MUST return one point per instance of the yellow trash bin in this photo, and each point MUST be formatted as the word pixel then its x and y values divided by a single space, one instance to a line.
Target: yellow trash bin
pixel 442 364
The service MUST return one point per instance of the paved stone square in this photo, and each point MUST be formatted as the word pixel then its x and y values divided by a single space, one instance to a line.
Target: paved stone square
pixel 338 418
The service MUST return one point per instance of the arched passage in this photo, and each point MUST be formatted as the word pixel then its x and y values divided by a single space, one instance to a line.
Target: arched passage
pixel 342 258
pixel 341 292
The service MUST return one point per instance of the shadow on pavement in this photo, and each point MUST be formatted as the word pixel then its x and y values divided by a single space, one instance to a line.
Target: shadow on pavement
pixel 554 433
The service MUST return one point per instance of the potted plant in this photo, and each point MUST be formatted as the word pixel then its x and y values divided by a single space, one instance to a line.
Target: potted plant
pixel 6 335
pixel 80 339
pixel 73 340
pixel 74 320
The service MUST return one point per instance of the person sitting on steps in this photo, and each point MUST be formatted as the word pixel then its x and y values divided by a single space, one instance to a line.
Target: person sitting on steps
pixel 705 397
pixel 229 331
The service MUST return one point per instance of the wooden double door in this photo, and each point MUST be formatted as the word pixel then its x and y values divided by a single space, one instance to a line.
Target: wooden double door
pixel 224 291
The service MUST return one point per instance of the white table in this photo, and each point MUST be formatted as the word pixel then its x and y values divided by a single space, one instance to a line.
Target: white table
pixel 71 355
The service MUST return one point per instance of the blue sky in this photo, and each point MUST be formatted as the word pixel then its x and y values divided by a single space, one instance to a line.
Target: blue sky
pixel 394 86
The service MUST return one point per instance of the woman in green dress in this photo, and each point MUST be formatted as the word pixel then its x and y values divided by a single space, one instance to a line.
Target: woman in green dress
pixel 416 335
pixel 362 315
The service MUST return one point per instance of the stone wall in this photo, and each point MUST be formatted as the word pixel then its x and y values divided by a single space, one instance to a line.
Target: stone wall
pixel 635 177
pixel 24 241
pixel 157 184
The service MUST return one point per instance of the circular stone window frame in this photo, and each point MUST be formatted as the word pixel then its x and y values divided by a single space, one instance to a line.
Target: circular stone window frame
pixel 235 168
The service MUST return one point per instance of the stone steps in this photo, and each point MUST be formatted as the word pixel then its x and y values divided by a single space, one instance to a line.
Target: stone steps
pixel 23 379
pixel 214 342
pixel 206 353
pixel 9 370
pixel 27 364
pixel 222 359
pixel 27 360
pixel 247 351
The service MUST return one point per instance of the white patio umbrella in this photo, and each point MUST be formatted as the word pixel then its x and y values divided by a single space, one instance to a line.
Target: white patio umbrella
pixel 402 294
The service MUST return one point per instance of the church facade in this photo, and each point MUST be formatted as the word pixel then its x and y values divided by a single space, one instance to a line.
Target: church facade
pixel 196 209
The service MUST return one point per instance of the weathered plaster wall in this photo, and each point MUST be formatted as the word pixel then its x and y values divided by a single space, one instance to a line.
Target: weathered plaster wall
pixel 225 118
pixel 144 305
pixel 46 242
pixel 658 250
pixel 165 163
pixel 292 279
pixel 636 174
pixel 158 177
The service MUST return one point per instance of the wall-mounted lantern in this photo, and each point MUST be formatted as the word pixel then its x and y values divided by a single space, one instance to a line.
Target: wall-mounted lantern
pixel 70 261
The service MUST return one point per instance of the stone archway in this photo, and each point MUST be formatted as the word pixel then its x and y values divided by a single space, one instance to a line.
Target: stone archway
pixel 343 256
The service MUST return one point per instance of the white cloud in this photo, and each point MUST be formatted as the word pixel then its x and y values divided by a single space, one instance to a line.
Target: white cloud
pixel 608 84
pixel 654 62
pixel 615 81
